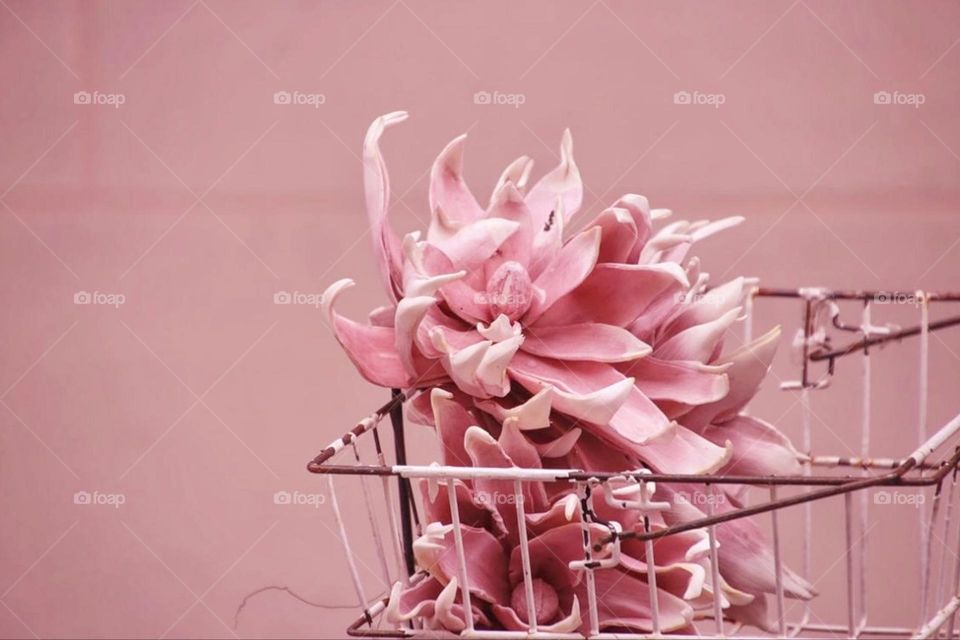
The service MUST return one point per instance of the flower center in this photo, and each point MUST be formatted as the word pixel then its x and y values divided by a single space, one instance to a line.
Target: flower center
pixel 509 290
pixel 545 601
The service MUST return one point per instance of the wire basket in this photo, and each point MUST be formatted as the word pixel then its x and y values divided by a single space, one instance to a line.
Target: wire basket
pixel 930 468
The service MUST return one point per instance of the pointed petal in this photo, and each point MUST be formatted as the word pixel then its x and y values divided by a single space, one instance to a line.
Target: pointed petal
pixel 517 172
pixel 589 341
pixel 639 209
pixel 618 234
pixel 371 349
pixel 386 245
pixel 685 452
pixel 448 191
pixel 410 312
pixel 708 307
pixel 759 449
pixel 561 446
pixel 690 383
pixel 492 370
pixel 508 204
pixel 563 182
pixel 698 342
pixel 748 366
pixel 530 415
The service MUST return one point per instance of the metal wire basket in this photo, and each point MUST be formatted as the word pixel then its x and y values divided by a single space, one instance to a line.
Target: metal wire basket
pixel 931 468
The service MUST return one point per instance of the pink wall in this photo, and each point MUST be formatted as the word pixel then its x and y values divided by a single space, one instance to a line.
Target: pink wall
pixel 199 198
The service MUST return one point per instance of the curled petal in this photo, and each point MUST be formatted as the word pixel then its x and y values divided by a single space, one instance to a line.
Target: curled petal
pixel 500 329
pixel 532 414
pixel 708 307
pixel 448 191
pixel 492 370
pixel 410 312
pixel 376 183
pixel 747 367
pixel 561 182
pixel 371 349
pixel 517 172
pixel 639 209
pixel 699 342
pixel 618 234
pixel 685 452
pixel 758 448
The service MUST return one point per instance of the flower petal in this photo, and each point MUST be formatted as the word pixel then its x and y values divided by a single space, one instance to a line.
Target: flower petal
pixel 615 294
pixel 691 383
pixel 699 342
pixel 371 349
pixel 759 449
pixel 618 234
pixel 563 181
pixel 448 191
pixel 517 172
pixel 574 262
pixel 588 341
pixel 386 244
pixel 625 603
pixel 748 366
pixel 476 241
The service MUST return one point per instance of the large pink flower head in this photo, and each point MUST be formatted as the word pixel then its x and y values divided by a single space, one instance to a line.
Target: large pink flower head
pixel 505 302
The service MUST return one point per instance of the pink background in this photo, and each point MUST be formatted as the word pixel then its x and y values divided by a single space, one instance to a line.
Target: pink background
pixel 199 198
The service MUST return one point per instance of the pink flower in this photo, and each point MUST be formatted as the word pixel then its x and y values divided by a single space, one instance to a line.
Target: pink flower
pixel 498 304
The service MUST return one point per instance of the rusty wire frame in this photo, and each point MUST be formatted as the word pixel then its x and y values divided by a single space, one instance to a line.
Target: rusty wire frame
pixel 931 464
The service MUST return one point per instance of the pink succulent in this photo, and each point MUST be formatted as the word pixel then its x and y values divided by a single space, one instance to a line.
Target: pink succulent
pixel 499 305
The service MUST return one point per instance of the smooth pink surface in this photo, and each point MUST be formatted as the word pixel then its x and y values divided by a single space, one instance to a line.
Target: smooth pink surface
pixel 199 199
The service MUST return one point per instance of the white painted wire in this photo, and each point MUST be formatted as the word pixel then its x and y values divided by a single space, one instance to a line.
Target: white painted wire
pixel 348 552
pixel 377 538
